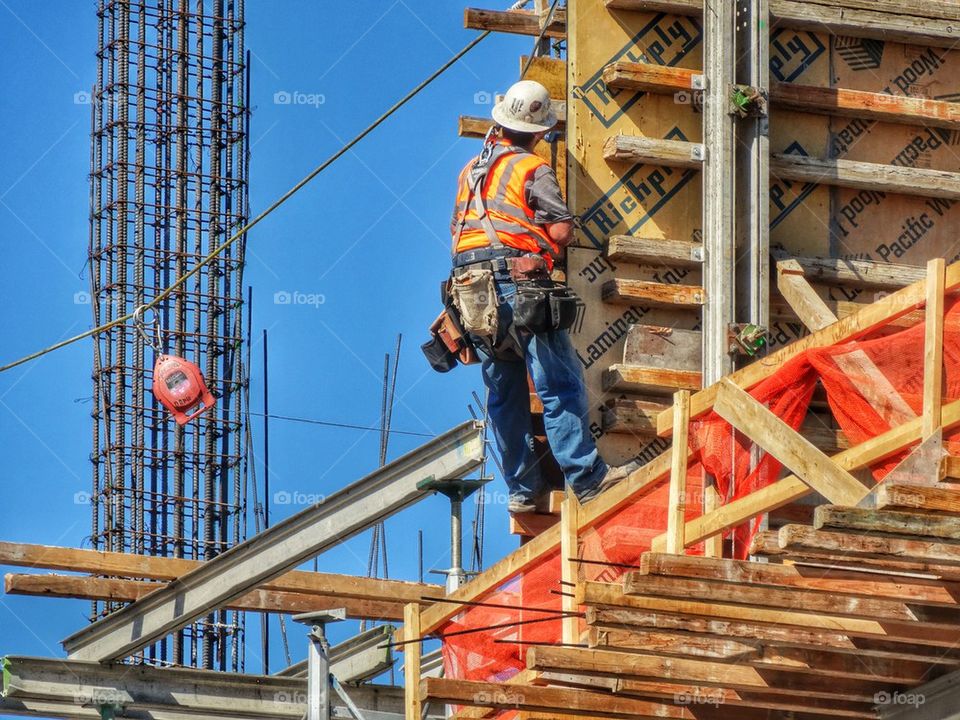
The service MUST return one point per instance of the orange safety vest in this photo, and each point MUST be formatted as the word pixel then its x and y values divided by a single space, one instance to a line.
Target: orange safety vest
pixel 507 207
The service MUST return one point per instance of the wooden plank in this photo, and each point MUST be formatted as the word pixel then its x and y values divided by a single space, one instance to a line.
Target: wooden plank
pixel 260 600
pixel 800 537
pixel 806 303
pixel 933 348
pixel 569 576
pixel 837 605
pixel 518 22
pixel 767 544
pixel 606 663
pixel 634 378
pixel 621 291
pixel 712 546
pixel 942 497
pixel 819 663
pixel 411 661
pixel 633 417
pixel 868 318
pixel 855 273
pixel 722 628
pixel 884 107
pixel 531 524
pixel 47 557
pixel 573 702
pixel 838 102
pixel 738 407
pixel 924 591
pixel 908 632
pixel 651 151
pixel 833 517
pixel 654 251
pixel 919 182
pixel 550 72
pixel 677 502
pixel 837 19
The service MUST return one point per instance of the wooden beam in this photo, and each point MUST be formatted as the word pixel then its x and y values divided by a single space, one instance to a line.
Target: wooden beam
pixel 621 291
pixel 47 557
pixel 260 600
pixel 820 663
pixel 569 575
pixel 606 663
pixel 892 522
pixel 572 702
pixel 942 497
pixel 769 432
pixel 677 502
pixel 790 615
pixel 638 379
pixel 835 605
pixel 801 538
pixel 712 546
pixel 923 591
pixel 517 22
pixel 806 303
pixel 652 151
pixel 933 348
pixel 654 251
pixel 531 524
pixel 840 102
pixel 412 698
pixel 767 544
pixel 828 17
pixel 633 417
pixel 918 182
pixel 722 628
pixel 867 274
pixel 870 317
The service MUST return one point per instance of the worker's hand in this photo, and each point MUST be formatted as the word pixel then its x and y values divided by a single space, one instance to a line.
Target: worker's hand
pixel 561 232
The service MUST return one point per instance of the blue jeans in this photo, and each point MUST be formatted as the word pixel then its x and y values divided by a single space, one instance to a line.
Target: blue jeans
pixel 557 377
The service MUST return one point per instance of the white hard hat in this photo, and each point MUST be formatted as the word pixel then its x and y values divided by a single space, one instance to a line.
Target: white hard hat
pixel 525 108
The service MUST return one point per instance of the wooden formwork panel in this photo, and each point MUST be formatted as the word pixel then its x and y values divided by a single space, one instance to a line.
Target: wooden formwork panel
pixel 807 219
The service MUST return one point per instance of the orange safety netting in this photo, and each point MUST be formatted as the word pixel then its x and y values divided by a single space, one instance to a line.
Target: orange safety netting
pixel 872 385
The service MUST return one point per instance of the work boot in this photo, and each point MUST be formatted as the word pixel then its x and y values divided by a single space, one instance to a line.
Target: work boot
pixel 614 475
pixel 519 505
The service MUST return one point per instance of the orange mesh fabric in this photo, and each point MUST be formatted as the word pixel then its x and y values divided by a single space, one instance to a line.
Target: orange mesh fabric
pixel 872 385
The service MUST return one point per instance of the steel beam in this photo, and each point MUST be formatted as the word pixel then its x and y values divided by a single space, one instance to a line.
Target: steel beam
pixel 48 687
pixel 280 548
pixel 358 659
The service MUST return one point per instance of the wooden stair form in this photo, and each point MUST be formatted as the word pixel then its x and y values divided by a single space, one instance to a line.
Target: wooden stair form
pixel 649 380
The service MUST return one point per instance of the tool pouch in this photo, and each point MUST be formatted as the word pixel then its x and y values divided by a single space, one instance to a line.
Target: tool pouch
pixel 544 306
pixel 474 295
pixel 448 344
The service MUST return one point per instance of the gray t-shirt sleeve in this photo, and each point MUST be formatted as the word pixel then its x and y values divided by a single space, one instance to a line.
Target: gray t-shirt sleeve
pixel 544 197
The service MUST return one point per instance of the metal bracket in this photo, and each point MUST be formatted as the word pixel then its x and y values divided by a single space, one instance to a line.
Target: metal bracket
pixel 698 82
pixel 696 254
pixel 747 101
pixel 698 151
pixel 745 339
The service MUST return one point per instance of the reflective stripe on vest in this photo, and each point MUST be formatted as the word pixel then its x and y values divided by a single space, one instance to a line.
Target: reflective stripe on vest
pixel 507 207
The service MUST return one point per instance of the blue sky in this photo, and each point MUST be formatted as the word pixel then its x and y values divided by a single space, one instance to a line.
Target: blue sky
pixel 369 235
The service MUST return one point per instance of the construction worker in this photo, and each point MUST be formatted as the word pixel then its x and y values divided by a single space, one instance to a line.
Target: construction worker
pixel 510 218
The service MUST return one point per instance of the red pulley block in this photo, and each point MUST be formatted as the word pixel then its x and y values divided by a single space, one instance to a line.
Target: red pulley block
pixel 179 386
